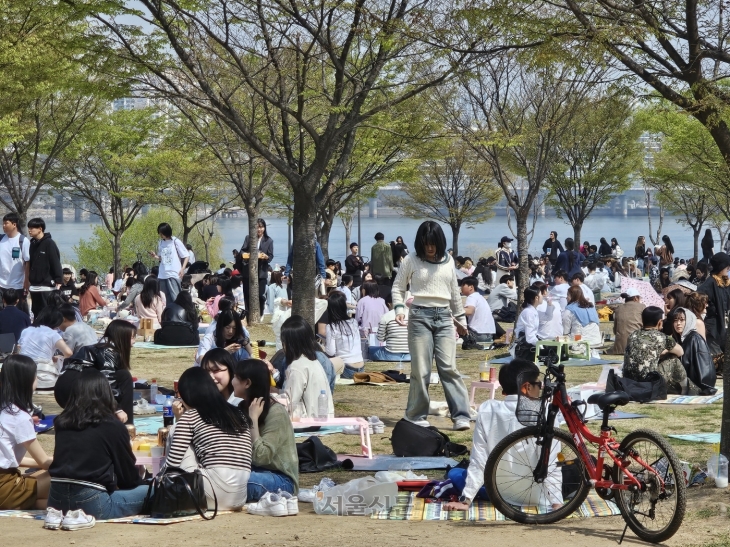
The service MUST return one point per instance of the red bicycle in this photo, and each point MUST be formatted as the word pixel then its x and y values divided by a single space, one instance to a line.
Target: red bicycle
pixel 541 474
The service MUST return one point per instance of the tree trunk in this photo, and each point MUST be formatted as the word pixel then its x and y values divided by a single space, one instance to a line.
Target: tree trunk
pixel 186 233
pixel 725 428
pixel 117 254
pixel 696 237
pixel 577 228
pixel 303 261
pixel 455 229
pixel 23 226
pixel 324 238
pixel 523 274
pixel 253 311
pixel 348 229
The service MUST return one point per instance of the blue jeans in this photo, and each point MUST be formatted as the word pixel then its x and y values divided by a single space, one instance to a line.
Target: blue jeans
pixel 265 480
pixel 98 503
pixel 381 353
pixel 349 372
pixel 171 287
pixel 431 335
pixel 241 355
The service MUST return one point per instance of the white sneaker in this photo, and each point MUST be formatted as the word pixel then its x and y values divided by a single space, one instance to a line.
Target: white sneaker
pixel 292 503
pixel 351 429
pixel 377 425
pixel 462 424
pixel 53 519
pixel 77 520
pixel 270 505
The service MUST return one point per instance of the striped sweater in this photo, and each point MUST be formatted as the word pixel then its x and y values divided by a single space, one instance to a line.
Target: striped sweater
pixel 212 446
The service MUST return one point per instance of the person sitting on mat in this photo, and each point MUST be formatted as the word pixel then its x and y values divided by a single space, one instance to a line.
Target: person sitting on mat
pixel 495 420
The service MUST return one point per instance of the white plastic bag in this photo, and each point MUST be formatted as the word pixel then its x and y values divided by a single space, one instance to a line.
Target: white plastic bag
pixel 357 497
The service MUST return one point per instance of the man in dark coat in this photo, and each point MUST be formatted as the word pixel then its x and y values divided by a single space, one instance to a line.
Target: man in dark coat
pixel 717 289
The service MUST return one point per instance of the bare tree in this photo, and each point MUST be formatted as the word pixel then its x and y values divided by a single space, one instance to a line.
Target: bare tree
pixel 513 116
pixel 654 238
pixel 457 188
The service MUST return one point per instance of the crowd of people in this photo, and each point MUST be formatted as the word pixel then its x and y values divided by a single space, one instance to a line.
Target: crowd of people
pixel 401 305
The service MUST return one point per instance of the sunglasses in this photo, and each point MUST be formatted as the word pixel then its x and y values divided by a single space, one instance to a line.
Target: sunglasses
pixel 538 384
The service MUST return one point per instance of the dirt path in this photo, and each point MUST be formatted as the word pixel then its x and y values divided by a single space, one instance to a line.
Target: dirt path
pixel 704 523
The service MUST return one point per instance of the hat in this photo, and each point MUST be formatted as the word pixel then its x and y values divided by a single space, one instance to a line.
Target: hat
pixel 630 293
pixel 505 239
pixel 719 262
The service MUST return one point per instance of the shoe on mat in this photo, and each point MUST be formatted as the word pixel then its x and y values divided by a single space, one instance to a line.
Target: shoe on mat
pixel 462 424
pixel 53 519
pixel 292 503
pixel 351 429
pixel 77 520
pixel 270 505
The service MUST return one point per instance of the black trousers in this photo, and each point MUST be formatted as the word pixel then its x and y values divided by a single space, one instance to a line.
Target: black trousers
pixel 39 300
pixel 262 293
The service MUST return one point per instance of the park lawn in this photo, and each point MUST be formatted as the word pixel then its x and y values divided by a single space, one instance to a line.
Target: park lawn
pixel 389 403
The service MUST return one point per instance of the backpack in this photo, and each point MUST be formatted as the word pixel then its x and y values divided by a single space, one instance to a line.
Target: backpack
pixel 654 388
pixel 413 440
pixel 314 457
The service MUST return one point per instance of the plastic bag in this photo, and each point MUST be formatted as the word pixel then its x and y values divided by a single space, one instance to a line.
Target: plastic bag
pixel 357 497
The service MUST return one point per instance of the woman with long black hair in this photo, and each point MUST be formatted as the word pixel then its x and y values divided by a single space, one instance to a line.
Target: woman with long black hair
pixel 89 295
pixel 112 357
pixel 275 465
pixel 304 378
pixel 40 342
pixel 666 254
pixel 18 438
pixel 708 246
pixel 150 303
pixel 342 336
pixel 435 310
pixel 605 248
pixel 484 275
pixel 570 260
pixel 265 253
pixel 94 470
pixel 229 334
pixel 219 436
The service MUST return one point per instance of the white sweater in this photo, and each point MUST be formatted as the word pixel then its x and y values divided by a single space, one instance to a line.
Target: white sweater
pixel 432 285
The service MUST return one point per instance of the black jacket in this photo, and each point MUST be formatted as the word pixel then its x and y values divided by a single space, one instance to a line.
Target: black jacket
pixel 266 247
pixel 698 363
pixel 718 305
pixel 45 262
pixel 554 247
pixel 176 313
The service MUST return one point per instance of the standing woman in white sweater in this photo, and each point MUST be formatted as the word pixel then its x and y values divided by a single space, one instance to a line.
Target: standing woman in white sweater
pixel 435 310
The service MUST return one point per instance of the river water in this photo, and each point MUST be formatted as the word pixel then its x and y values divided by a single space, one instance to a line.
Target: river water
pixel 474 241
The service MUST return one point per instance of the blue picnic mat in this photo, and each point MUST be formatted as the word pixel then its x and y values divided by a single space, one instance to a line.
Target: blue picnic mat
pixel 710 438
pixel 46 424
pixel 152 345
pixel 592 362
pixel 618 415
pixel 385 462
pixel 148 424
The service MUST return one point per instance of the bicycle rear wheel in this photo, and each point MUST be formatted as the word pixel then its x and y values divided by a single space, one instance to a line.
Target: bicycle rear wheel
pixel 511 486
pixel 655 514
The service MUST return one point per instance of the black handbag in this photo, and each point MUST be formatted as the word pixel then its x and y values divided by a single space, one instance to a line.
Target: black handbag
pixel 653 388
pixel 178 493
pixel 412 440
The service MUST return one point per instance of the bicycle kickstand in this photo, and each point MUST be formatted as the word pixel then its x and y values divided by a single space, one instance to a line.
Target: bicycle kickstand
pixel 623 535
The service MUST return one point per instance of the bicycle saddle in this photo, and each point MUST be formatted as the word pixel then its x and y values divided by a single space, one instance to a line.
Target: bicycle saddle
pixel 610 399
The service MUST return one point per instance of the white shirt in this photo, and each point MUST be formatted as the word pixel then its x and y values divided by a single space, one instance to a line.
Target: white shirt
pixel 495 420
pixel 588 293
pixel 529 323
pixel 481 320
pixel 191 257
pixel 208 342
pixel 15 429
pixel 551 321
pixel 348 294
pixel 12 272
pixel 340 343
pixel 171 252
pixel 304 382
pixel 38 343
pixel 559 293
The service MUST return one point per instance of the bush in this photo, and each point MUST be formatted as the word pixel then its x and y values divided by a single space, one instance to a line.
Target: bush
pixel 96 252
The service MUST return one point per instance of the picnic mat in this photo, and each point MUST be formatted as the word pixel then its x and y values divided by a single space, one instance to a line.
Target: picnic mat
pixel 689 399
pixel 136 519
pixel 592 362
pixel 323 430
pixel 710 438
pixel 152 345
pixel 46 424
pixel 387 463
pixel 409 507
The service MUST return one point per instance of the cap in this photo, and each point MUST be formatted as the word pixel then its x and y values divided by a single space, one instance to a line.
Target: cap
pixel 505 239
pixel 630 293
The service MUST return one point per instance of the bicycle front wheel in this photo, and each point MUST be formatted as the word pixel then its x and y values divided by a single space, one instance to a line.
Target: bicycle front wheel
pixel 511 485
pixel 656 512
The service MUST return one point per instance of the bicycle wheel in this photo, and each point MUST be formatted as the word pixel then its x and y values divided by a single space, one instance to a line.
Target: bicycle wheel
pixel 653 515
pixel 511 486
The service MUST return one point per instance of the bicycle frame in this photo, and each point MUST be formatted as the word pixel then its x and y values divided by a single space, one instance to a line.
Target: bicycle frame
pixel 605 441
